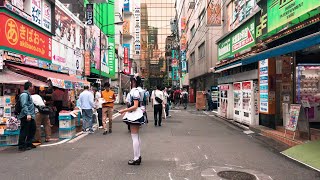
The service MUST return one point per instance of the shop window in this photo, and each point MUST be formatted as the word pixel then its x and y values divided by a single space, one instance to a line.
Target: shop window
pixel 193 31
pixel 201 18
pixel 192 57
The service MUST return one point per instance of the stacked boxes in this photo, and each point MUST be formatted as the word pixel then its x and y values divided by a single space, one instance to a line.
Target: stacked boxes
pixel 67 126
pixel 9 138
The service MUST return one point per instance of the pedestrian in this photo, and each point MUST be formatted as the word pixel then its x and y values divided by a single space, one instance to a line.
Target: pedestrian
pixel 157 100
pixel 86 104
pixel 209 101
pixel 147 94
pixel 185 98
pixel 133 116
pixel 27 117
pixel 98 102
pixel 166 101
pixel 177 94
pixel 42 117
pixel 107 107
pixel 57 98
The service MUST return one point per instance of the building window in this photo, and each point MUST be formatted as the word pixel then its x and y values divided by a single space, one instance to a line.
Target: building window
pixel 202 50
pixel 201 18
pixel 193 31
pixel 192 57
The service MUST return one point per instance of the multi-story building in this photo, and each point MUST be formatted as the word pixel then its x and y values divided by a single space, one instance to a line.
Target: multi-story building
pixel 199 25
pixel 269 59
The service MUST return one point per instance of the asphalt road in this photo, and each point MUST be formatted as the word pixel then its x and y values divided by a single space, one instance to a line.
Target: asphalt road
pixel 189 146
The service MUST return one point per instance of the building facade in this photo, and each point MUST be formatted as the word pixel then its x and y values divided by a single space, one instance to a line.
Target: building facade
pixel 199 27
pixel 269 56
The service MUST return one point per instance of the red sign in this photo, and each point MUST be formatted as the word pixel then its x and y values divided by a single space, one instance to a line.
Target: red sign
pixel 236 86
pixel 126 56
pixel 224 87
pixel 247 85
pixel 24 38
pixel 87 63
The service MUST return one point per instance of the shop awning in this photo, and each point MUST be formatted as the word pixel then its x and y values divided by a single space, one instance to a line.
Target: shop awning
pixel 299 44
pixel 10 77
pixel 59 80
pixel 228 66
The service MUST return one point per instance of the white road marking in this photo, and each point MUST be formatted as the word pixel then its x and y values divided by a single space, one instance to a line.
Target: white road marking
pixel 189 164
pixel 130 173
pixel 78 138
pixel 206 175
pixel 248 132
pixel 186 179
pixel 214 170
pixel 205 156
pixel 170 176
pixel 54 144
pixel 233 165
pixel 270 177
pixel 198 147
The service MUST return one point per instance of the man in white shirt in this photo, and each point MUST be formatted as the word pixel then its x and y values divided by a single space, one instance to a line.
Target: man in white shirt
pixel 41 119
pixel 86 105
pixel 157 101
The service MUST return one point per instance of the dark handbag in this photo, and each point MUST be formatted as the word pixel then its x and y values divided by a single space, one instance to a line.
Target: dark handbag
pixel 44 110
pixel 158 100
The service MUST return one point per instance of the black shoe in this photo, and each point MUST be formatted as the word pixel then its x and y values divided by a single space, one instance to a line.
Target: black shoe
pixel 134 162
pixel 140 159
pixel 28 148
pixel 105 133
pixel 110 131
pixel 22 149
pixel 159 124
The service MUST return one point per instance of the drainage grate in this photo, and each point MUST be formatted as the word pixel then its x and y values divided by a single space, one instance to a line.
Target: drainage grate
pixel 236 175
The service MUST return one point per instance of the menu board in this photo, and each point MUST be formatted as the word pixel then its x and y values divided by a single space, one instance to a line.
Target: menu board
pixel 264 86
pixel 294 116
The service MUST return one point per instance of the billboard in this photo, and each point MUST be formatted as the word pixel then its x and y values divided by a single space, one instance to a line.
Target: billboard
pixel 241 10
pixel 24 39
pixel 214 13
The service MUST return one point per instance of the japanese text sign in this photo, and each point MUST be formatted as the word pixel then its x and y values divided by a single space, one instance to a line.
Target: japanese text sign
pixel 89 14
pixel 24 38
pixel 36 11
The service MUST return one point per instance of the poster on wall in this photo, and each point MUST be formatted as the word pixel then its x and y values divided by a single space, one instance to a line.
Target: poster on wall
pixel 214 13
pixel 36 14
pixel 294 117
pixel 264 86
pixel 65 28
pixel 93 45
pixel 46 15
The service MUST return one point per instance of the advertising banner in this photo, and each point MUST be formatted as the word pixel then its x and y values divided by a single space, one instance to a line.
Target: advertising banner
pixel 283 11
pixel 111 56
pixel 89 14
pixel 241 10
pixel 137 16
pixel 36 14
pixel 17 3
pixel 24 39
pixel 294 117
pixel 241 39
pixel 46 15
pixel 93 46
pixel 87 63
pixel 126 57
pixel 126 5
pixel 214 13
pixel 264 86
pixel 175 74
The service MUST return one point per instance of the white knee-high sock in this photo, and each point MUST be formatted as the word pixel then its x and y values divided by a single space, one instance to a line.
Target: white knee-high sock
pixel 135 143
pixel 139 152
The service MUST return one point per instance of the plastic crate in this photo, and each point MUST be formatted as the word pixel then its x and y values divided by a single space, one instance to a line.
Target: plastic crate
pixel 67 133
pixel 9 132
pixel 9 140
pixel 67 123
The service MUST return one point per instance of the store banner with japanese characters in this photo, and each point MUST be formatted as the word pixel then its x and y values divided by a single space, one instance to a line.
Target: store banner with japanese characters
pixel 137 16
pixel 36 9
pixel 46 15
pixel 24 39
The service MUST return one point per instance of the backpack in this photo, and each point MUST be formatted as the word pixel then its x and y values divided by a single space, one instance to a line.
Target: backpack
pixel 185 96
pixel 17 106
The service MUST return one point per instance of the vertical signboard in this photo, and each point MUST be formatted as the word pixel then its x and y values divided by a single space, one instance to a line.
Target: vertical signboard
pixel 36 12
pixel 1 60
pixel 126 53
pixel 214 13
pixel 126 5
pixel 87 63
pixel 264 86
pixel 126 27
pixel 137 16
pixel 89 14
pixel 46 15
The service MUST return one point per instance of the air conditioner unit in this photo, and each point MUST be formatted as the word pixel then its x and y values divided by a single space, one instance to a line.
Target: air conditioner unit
pixel 191 4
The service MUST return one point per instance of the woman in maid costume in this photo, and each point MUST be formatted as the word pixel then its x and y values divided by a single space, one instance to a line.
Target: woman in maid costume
pixel 134 117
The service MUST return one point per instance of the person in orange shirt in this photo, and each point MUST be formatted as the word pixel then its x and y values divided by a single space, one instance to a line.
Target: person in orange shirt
pixel 107 107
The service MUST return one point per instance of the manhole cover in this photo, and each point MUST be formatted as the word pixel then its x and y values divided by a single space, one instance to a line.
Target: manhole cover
pixel 236 175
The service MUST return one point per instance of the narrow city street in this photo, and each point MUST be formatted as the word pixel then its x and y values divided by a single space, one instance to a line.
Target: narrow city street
pixel 190 145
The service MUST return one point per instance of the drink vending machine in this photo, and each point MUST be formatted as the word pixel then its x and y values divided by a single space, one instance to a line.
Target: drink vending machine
pixel 226 101
pixel 237 91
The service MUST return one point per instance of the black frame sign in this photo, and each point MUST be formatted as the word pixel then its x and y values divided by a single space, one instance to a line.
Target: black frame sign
pixel 89 14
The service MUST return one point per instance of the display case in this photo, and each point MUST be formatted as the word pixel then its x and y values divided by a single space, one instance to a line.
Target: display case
pixel 308 89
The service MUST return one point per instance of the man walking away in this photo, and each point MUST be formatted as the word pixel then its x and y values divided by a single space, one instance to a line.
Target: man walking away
pixel 209 101
pixel 86 104
pixel 41 118
pixel 27 118
pixel 147 96
pixel 107 107
pixel 185 96
pixel 157 100
pixel 166 101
